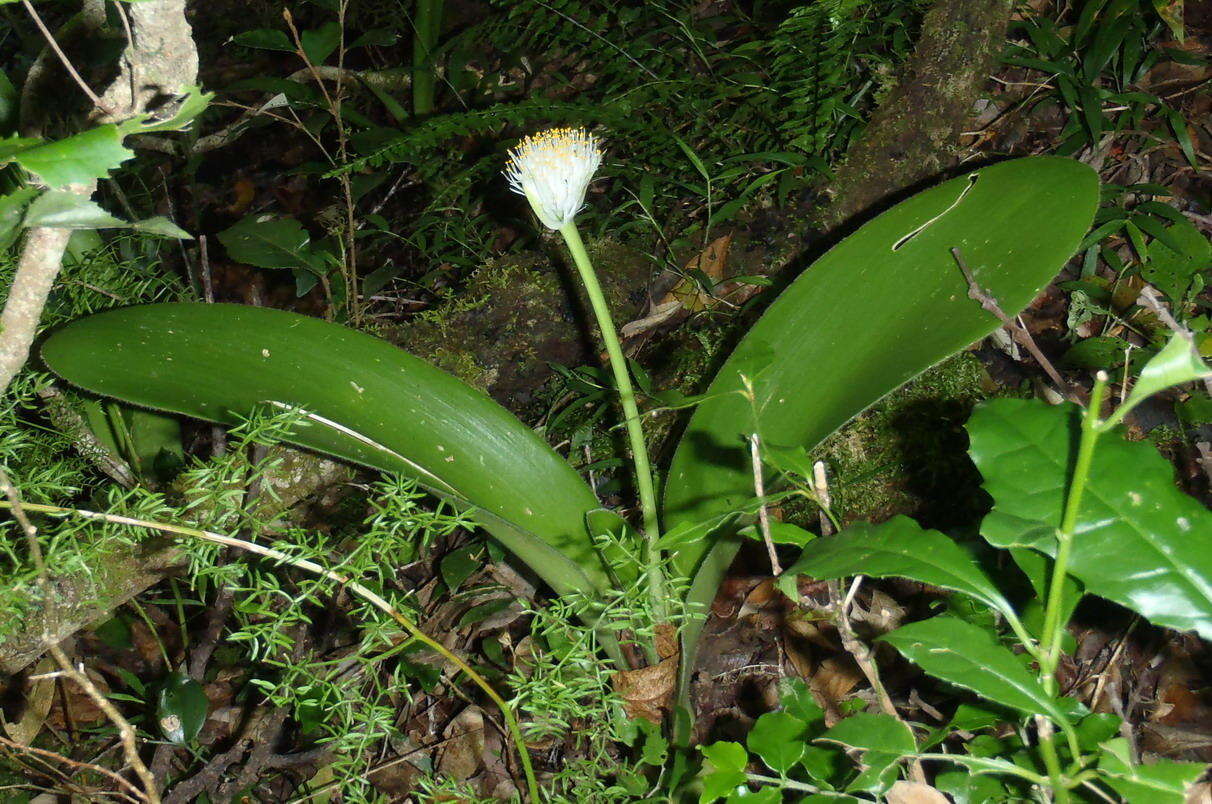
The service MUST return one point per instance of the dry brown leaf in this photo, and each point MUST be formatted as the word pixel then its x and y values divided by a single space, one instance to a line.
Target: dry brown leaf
pixel 834 679
pixel 463 752
pixel 243 192
pixel 712 261
pixel 1200 793
pixel 648 691
pixel 686 294
pixel 38 700
pixel 914 793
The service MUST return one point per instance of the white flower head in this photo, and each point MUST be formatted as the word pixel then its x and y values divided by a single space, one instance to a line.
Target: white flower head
pixel 553 169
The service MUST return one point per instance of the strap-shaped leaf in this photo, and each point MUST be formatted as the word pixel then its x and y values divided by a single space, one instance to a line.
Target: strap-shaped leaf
pixel 1140 541
pixel 367 402
pixel 969 656
pixel 899 547
pixel 882 306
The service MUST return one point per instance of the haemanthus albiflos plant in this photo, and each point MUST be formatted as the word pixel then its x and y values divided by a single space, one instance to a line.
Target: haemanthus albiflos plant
pixel 553 170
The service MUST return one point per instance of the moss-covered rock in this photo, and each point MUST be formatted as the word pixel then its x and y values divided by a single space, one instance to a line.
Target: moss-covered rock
pixel 516 315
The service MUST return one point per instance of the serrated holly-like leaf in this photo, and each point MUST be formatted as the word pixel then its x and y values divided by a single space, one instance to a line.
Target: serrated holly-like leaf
pixel 1162 782
pixel 78 159
pixel 872 732
pixel 968 656
pixel 725 770
pixel 1175 364
pixel 778 738
pixel 899 547
pixel 190 106
pixel 1140 541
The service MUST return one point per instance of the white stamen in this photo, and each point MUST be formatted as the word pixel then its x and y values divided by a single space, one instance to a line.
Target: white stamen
pixel 553 169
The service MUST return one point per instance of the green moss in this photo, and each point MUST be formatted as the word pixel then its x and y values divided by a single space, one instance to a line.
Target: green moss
pixel 907 453
pixel 515 316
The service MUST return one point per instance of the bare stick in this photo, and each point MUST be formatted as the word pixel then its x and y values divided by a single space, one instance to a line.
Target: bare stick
pixel 759 488
pixel 1016 329
pixel 39 265
pixel 67 63
pixel 864 658
pixel 820 485
pixel 126 733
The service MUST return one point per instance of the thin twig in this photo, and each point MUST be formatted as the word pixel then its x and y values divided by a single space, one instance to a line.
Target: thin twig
pixel 1016 329
pixel 76 765
pixel 1149 298
pixel 126 732
pixel 310 566
pixel 820 485
pixel 67 63
pixel 759 488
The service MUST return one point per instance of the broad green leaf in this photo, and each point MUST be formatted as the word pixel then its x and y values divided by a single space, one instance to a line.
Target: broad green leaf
pixel 61 209
pixel 778 738
pixel 1175 364
pixel 365 400
pixel 264 39
pixel 725 769
pixel 1172 271
pixel 189 107
pixel 181 708
pixel 11 146
pixel 78 159
pixel 873 732
pixel 458 565
pixel 269 242
pixel 12 211
pixel 899 547
pixel 319 43
pixel 1163 782
pixel 1140 541
pixel 970 657
pixel 882 306
pixel 883 740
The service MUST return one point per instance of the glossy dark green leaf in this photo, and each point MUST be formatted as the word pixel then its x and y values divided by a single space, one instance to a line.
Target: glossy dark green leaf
pixel 78 159
pixel 882 306
pixel 1172 270
pixel 264 39
pixel 872 732
pixel 778 738
pixel 968 656
pixel 269 242
pixel 365 400
pixel 181 708
pixel 899 547
pixel 1140 541
pixel 724 770
pixel 1163 782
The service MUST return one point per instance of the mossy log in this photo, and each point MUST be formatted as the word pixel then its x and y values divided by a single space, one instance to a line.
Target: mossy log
pixel 520 313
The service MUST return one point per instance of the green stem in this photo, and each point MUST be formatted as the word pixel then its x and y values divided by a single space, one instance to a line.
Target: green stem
pixel 1056 779
pixel 1053 628
pixel 366 594
pixel 631 414
pixel 427 24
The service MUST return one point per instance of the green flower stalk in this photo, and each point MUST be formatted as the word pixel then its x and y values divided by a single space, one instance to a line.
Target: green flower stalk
pixel 553 170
